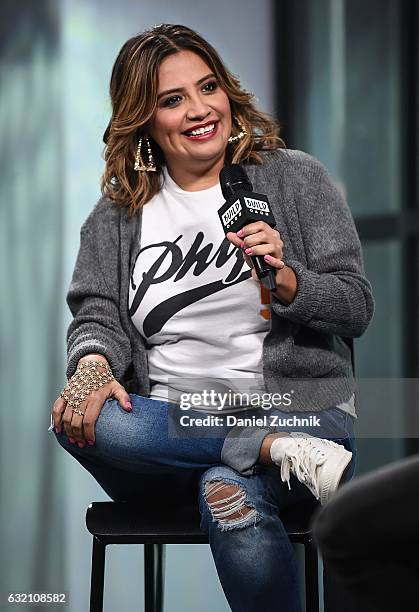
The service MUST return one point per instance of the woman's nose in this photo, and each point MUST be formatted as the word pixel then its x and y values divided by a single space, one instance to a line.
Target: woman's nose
pixel 197 109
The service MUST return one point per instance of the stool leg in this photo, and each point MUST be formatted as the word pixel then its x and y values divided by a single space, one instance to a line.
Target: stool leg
pixel 98 576
pixel 312 576
pixel 154 563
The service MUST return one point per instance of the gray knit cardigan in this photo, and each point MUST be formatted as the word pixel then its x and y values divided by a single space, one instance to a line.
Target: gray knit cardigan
pixel 303 353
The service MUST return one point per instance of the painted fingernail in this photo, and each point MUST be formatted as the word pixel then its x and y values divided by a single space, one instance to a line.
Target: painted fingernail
pixel 90 442
pixel 239 233
pixel 72 440
pixel 267 258
pixel 81 444
pixel 248 251
pixel 128 405
pixel 58 429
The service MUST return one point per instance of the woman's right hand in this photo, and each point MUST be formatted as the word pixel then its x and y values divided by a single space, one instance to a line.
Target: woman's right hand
pixel 81 428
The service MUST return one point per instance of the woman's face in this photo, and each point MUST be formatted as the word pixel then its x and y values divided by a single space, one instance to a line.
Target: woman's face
pixel 192 121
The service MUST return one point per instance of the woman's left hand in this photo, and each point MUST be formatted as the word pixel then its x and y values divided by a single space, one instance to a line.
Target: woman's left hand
pixel 259 238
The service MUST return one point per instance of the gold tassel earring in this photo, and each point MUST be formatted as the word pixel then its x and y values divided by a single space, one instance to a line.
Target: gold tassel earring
pixel 139 162
pixel 240 135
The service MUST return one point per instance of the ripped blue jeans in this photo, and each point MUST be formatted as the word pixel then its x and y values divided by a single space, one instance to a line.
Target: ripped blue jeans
pixel 135 459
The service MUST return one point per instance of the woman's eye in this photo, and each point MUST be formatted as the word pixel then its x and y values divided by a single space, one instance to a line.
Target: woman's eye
pixel 211 86
pixel 171 101
pixel 207 88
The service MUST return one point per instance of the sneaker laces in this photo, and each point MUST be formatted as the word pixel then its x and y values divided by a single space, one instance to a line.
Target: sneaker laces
pixel 304 461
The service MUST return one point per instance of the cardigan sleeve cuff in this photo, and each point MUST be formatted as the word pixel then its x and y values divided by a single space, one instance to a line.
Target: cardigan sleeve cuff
pixel 118 360
pixel 307 300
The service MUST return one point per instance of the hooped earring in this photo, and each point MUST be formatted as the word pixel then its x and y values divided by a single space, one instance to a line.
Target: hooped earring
pixel 139 162
pixel 240 135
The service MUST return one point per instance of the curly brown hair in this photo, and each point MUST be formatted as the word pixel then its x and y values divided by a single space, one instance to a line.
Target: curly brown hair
pixel 133 92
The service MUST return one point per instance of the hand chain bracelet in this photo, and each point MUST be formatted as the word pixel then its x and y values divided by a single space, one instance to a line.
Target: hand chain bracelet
pixel 87 378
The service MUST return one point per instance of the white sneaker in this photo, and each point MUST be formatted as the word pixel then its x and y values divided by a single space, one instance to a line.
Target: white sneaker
pixel 317 463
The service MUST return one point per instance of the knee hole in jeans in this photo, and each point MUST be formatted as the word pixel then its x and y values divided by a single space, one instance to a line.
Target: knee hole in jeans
pixel 228 506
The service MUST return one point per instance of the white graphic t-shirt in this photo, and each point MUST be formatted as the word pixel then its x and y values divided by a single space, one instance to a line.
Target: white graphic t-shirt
pixel 192 297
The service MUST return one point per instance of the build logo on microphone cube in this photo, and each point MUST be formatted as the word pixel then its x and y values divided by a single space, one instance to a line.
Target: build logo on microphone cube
pixel 243 208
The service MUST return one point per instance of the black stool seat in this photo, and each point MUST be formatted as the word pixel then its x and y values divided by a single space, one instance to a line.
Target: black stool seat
pixel 154 526
pixel 133 523
pixel 122 522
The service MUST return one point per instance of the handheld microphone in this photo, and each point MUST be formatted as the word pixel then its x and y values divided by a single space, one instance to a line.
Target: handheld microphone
pixel 244 206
